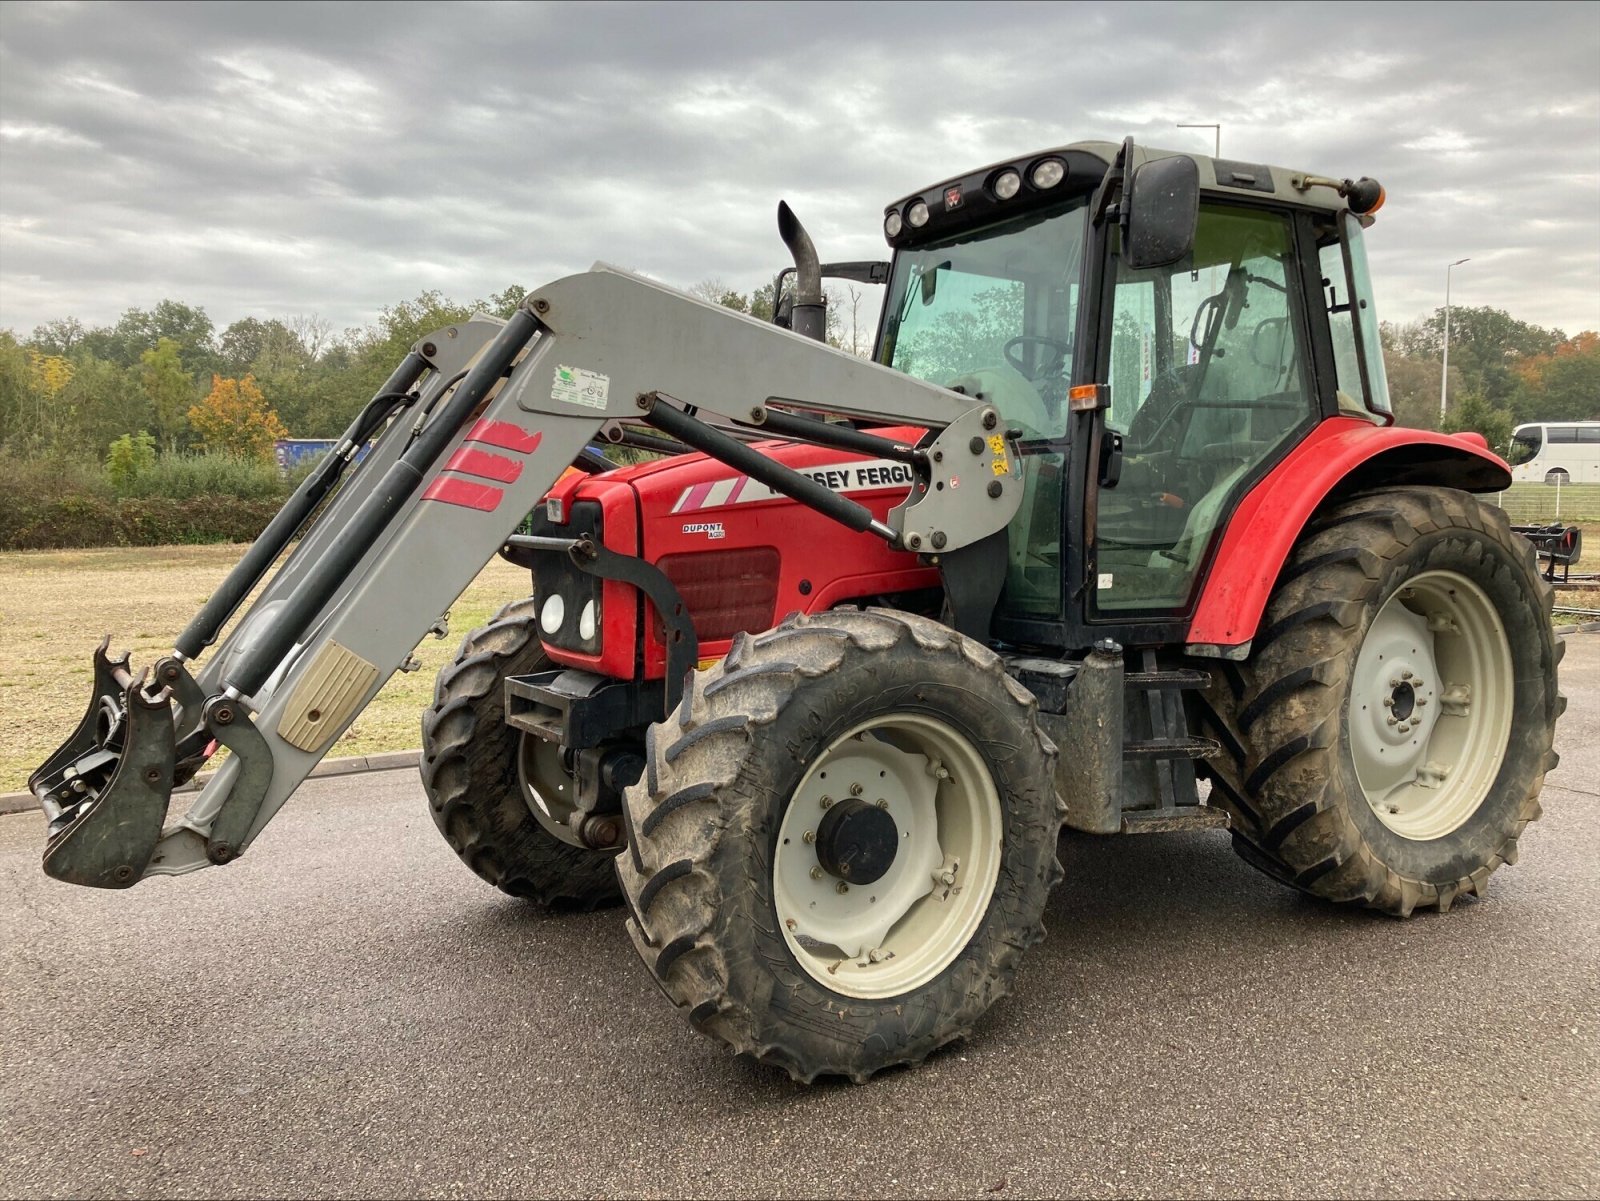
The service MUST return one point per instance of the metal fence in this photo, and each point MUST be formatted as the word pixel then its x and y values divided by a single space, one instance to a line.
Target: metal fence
pixel 1533 504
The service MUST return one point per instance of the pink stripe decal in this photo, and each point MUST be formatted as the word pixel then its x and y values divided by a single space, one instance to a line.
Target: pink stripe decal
pixel 483 497
pixel 504 435
pixel 738 487
pixel 697 496
pixel 484 464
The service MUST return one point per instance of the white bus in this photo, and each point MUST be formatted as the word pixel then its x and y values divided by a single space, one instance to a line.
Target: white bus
pixel 1564 450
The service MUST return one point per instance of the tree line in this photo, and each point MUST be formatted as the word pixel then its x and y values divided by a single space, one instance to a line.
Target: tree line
pixel 165 381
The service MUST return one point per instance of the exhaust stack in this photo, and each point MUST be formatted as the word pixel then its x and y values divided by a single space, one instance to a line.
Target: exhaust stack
pixel 809 317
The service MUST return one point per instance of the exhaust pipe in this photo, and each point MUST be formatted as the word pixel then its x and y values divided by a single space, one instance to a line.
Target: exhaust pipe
pixel 809 317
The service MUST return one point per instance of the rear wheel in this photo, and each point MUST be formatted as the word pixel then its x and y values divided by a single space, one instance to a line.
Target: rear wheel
pixel 496 794
pixel 1390 734
pixel 843 841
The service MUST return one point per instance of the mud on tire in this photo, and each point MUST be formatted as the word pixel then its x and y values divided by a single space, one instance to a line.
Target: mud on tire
pixel 705 818
pixel 1289 776
pixel 469 772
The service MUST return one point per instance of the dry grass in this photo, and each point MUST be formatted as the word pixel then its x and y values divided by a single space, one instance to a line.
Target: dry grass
pixel 55 605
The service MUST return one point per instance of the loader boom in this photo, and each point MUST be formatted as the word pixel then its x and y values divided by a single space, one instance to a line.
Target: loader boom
pixel 502 410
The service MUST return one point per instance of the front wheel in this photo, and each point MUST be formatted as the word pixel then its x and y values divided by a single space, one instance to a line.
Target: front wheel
pixel 495 793
pixel 844 838
pixel 1391 731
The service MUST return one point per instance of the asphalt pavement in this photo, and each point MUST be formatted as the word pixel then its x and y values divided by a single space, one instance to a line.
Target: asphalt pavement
pixel 347 1011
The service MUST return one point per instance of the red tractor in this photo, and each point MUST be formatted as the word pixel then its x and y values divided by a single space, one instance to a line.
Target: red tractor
pixel 1117 509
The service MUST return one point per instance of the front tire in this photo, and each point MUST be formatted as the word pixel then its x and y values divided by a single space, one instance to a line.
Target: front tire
pixel 832 749
pixel 1390 734
pixel 473 770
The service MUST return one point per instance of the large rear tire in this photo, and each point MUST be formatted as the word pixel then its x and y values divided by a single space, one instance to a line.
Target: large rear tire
pixel 843 842
pixel 470 771
pixel 1389 736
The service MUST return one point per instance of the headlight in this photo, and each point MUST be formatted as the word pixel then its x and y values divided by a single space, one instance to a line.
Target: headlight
pixel 1049 173
pixel 917 214
pixel 1007 184
pixel 586 622
pixel 553 613
pixel 891 225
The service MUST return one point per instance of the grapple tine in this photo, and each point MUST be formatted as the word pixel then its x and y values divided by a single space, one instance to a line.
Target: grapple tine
pixel 82 740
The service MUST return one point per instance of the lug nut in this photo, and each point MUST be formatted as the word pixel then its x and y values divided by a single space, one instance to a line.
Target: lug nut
pixel 816 873
pixel 882 804
pixel 841 887
pixel 1405 675
pixel 1388 702
pixel 855 790
pixel 995 488
pixel 827 802
pixel 1393 721
pixel 976 445
pixel 810 836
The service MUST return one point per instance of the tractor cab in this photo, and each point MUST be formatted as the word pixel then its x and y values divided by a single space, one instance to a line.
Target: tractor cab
pixel 1203 365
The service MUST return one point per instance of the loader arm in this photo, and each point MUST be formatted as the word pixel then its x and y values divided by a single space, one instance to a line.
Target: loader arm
pixel 483 418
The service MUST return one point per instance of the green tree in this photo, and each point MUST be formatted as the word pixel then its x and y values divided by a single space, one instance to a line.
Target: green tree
pixel 137 331
pixel 168 388
pixel 1472 412
pixel 1414 389
pixel 1485 345
pixel 253 346
pixel 59 337
pixel 129 457
pixel 22 417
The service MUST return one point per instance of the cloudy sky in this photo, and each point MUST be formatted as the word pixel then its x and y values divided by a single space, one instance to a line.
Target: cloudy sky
pixel 279 159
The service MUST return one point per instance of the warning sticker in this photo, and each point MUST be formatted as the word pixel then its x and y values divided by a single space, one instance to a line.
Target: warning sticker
pixel 574 385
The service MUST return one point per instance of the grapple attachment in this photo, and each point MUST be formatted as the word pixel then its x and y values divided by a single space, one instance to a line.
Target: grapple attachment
pixel 105 790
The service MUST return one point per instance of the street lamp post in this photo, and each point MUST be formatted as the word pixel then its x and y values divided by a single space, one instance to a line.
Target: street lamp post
pixel 1216 128
pixel 1444 373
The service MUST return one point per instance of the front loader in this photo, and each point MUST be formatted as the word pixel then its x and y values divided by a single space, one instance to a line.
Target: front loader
pixel 1115 531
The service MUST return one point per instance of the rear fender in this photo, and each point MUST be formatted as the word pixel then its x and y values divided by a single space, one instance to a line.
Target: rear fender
pixel 1341 456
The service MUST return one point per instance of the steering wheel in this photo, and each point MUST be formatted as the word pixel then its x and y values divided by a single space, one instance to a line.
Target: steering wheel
pixel 1053 364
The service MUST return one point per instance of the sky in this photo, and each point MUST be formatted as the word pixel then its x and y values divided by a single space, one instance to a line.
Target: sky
pixel 275 160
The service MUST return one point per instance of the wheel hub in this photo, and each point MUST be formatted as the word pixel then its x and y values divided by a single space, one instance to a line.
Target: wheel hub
pixel 857 841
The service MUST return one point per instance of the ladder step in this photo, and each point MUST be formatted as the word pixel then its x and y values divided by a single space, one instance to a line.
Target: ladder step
pixel 1179 677
pixel 1171 748
pixel 1162 821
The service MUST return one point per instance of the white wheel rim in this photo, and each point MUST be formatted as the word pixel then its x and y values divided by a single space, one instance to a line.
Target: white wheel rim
pixel 548 788
pixel 1430 705
pixel 900 931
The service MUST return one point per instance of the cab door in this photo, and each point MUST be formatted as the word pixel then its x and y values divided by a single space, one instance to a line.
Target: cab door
pixel 1209 369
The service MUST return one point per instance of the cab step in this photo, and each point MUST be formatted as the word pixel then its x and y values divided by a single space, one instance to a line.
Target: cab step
pixel 1165 821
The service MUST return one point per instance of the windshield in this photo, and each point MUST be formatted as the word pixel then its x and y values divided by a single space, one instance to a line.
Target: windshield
pixel 992 311
pixel 1525 445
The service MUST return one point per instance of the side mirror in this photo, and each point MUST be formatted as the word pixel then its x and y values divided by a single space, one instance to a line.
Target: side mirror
pixel 1161 209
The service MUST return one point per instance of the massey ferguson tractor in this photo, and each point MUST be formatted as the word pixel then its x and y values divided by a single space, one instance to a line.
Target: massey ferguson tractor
pixel 812 685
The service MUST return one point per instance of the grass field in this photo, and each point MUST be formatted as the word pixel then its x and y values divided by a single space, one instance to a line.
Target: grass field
pixel 56 605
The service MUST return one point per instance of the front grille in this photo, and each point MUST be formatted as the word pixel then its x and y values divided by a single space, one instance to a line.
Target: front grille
pixel 725 591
